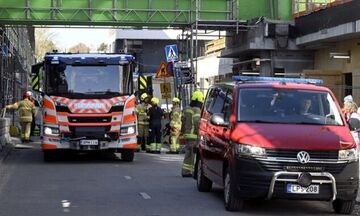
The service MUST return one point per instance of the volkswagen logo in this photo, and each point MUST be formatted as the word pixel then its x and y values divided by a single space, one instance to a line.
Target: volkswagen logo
pixel 303 157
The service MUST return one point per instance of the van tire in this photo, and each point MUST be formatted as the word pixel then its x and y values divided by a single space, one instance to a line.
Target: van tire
pixel 343 206
pixel 232 203
pixel 202 182
pixel 127 155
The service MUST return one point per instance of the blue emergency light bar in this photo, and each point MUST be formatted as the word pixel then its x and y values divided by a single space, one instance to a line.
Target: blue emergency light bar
pixel 111 59
pixel 278 79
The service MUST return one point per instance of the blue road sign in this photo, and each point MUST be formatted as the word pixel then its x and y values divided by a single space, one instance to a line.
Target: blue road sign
pixel 171 52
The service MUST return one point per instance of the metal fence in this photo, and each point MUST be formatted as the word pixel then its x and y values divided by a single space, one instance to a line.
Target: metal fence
pixel 304 7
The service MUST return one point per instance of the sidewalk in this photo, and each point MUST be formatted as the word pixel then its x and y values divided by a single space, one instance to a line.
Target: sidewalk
pixel 5 151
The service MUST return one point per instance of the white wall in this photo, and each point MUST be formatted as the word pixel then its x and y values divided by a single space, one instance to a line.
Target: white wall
pixel 210 66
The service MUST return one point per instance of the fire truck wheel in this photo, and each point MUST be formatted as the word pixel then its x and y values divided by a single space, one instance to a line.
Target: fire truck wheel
pixel 127 155
pixel 49 156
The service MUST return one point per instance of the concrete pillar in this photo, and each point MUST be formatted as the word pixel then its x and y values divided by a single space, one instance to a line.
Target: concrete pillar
pixel 266 66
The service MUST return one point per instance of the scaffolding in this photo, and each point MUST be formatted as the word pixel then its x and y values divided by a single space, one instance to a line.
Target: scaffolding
pixel 16 58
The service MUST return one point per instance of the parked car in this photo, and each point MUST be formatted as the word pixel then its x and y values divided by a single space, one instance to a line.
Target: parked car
pixel 276 138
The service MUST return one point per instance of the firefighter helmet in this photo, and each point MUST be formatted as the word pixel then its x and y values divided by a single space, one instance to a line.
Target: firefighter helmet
pixel 197 96
pixel 27 94
pixel 176 100
pixel 143 96
pixel 155 101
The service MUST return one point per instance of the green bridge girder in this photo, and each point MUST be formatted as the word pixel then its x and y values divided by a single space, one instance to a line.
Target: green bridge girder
pixel 159 13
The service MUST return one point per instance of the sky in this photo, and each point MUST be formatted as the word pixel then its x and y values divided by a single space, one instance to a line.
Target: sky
pixel 68 37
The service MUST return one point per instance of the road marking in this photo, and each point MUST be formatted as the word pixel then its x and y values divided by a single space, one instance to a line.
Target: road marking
pixel 145 195
pixel 127 177
pixel 65 203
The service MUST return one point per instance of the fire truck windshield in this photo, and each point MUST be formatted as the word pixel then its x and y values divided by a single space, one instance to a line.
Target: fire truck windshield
pixel 88 81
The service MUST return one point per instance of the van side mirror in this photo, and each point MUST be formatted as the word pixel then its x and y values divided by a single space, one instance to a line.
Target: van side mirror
pixel 354 124
pixel 218 120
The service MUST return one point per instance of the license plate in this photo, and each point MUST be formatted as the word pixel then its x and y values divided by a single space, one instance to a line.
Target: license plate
pixel 297 189
pixel 89 142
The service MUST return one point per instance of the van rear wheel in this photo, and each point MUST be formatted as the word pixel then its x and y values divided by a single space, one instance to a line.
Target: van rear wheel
pixel 202 182
pixel 343 206
pixel 232 203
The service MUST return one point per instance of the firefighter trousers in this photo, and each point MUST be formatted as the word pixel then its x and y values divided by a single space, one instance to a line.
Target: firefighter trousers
pixel 155 138
pixel 25 131
pixel 189 158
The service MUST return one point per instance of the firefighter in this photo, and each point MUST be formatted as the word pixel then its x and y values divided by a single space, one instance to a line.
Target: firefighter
pixel 155 114
pixel 175 125
pixel 26 110
pixel 143 121
pixel 189 131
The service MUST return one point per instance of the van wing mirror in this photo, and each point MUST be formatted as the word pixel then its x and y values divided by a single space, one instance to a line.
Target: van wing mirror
pixel 218 120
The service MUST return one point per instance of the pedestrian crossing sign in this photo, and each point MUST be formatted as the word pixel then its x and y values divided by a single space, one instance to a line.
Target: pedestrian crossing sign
pixel 172 54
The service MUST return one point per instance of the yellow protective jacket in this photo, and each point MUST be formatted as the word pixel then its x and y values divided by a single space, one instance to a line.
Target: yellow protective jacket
pixel 26 109
pixel 141 112
pixel 190 122
pixel 175 119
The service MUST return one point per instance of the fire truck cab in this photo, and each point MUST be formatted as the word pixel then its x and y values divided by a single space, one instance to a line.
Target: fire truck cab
pixel 88 103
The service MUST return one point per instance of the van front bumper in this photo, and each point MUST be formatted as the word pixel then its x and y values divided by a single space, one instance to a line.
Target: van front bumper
pixel 253 180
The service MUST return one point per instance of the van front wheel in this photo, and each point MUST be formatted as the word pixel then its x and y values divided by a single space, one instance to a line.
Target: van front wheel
pixel 202 182
pixel 343 206
pixel 232 203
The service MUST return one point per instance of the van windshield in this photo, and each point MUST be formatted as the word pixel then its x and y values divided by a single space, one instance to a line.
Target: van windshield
pixel 270 105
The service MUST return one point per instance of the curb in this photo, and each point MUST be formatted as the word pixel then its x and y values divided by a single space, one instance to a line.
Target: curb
pixel 5 152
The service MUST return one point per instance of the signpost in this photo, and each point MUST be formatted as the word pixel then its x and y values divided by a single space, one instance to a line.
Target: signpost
pixel 165 89
pixel 172 55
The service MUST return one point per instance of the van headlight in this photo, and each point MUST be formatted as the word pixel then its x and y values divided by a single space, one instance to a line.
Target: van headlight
pixel 249 150
pixel 127 130
pixel 51 131
pixel 350 155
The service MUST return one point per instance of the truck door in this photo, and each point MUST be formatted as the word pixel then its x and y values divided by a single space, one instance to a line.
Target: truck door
pixel 37 76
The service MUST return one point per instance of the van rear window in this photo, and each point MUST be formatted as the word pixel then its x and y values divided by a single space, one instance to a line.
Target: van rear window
pixel 287 106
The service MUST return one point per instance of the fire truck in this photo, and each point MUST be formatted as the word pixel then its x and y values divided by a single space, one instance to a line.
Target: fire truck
pixel 88 103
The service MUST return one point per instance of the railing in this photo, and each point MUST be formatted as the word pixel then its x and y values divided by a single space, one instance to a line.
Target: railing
pixel 305 7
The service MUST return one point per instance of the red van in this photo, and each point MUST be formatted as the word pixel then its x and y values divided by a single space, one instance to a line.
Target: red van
pixel 276 138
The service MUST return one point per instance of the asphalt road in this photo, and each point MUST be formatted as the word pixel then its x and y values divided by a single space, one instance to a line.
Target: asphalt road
pixel 87 185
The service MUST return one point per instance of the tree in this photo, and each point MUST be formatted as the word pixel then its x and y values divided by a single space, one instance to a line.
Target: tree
pixel 103 47
pixel 79 48
pixel 44 42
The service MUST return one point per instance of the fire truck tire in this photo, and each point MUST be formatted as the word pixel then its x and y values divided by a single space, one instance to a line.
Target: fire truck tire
pixel 49 156
pixel 127 155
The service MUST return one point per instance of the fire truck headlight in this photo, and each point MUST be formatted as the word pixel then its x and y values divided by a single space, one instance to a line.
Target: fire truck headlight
pixel 120 103
pixel 51 131
pixel 128 130
pixel 131 130
pixel 60 104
